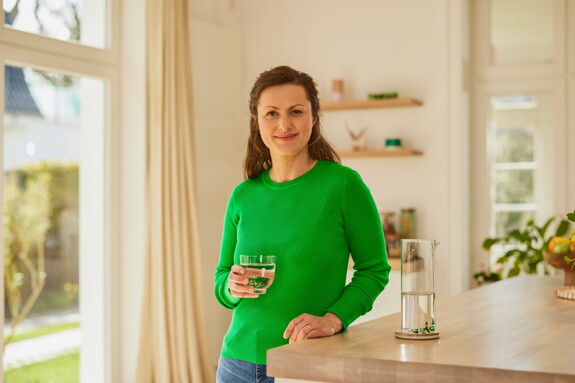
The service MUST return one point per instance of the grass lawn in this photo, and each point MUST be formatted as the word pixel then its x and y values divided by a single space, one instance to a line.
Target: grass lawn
pixel 63 369
pixel 44 330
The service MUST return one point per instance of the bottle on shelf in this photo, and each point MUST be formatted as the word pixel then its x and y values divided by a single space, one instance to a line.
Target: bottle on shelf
pixel 337 90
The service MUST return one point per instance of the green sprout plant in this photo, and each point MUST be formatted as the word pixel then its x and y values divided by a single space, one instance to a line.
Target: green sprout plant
pixel 526 246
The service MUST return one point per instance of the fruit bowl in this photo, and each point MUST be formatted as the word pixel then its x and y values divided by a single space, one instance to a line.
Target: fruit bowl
pixel 556 260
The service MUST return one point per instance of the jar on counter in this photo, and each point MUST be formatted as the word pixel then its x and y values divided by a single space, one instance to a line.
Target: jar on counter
pixel 407 223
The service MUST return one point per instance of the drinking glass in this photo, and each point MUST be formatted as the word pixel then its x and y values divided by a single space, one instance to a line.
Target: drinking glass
pixel 260 270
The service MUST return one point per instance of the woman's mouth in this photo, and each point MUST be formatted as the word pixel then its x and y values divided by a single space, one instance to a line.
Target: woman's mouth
pixel 286 137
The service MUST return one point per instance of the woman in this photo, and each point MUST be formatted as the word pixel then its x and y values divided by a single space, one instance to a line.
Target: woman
pixel 299 204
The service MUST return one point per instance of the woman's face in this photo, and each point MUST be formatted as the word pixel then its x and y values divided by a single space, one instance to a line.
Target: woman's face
pixel 285 120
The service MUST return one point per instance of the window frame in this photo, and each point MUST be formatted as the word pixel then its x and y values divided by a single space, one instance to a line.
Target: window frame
pixel 551 200
pixel 481 13
pixel 40 52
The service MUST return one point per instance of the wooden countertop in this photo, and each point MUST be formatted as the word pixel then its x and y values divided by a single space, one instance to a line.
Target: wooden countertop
pixel 515 330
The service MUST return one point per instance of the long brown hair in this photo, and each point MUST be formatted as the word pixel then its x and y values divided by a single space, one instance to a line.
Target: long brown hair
pixel 258 157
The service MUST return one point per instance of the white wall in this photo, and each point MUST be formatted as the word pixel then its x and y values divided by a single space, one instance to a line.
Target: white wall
pixel 374 45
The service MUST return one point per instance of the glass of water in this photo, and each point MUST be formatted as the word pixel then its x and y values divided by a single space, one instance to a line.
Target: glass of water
pixel 260 270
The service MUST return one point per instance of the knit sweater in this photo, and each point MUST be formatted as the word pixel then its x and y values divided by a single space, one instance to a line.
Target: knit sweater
pixel 311 224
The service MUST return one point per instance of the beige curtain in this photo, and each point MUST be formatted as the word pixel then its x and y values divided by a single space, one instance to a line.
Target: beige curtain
pixel 173 347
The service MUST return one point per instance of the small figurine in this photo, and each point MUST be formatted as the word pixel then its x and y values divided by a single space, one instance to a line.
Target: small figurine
pixel 358 143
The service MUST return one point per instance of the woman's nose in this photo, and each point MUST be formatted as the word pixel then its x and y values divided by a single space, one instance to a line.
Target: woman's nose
pixel 284 122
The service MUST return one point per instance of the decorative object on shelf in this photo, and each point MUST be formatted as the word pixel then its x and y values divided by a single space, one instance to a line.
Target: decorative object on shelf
pixel 407 223
pixel 526 246
pixel 392 237
pixel 337 90
pixel 392 143
pixel 358 142
pixel 380 96
pixel 418 289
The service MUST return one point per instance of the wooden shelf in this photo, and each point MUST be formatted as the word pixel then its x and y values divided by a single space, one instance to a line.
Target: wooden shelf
pixel 382 153
pixel 368 104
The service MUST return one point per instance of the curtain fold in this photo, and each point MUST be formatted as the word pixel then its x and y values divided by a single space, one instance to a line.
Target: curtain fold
pixel 173 346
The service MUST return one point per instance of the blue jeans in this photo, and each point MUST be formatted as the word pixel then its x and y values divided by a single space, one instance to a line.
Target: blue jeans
pixel 238 371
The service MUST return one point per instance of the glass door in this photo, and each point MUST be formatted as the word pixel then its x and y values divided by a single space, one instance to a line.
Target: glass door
pixel 53 162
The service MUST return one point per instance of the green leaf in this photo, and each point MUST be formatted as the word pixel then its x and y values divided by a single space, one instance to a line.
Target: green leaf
pixel 571 216
pixel 512 252
pixel 562 228
pixel 513 272
pixel 487 243
pixel 567 259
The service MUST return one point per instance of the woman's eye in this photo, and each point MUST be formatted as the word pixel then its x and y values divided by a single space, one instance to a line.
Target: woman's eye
pixel 271 113
pixel 297 111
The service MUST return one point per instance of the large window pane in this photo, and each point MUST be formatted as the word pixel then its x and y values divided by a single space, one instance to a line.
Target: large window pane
pixel 514 144
pixel 52 138
pixel 522 31
pixel 514 186
pixel 515 121
pixel 80 21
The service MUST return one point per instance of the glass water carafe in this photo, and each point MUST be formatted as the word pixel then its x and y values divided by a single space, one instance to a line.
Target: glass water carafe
pixel 418 289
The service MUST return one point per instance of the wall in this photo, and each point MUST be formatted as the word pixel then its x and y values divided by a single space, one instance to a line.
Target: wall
pixel 377 45
pixel 374 45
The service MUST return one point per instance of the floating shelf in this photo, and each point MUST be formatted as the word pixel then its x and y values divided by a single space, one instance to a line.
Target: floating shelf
pixel 369 104
pixel 383 153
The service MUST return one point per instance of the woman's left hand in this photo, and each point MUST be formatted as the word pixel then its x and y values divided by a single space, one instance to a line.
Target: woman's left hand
pixel 307 326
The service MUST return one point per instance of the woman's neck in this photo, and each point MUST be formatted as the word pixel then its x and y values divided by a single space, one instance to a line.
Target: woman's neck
pixel 285 169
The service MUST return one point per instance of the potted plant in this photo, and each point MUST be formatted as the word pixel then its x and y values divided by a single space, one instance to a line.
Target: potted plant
pixel 526 248
pixel 560 253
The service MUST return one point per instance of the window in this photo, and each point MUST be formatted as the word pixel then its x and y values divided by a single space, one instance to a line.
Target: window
pixel 522 31
pixel 59 19
pixel 514 126
pixel 58 106
pixel 519 118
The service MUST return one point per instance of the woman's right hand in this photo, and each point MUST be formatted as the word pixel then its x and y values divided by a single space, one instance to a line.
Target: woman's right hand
pixel 238 283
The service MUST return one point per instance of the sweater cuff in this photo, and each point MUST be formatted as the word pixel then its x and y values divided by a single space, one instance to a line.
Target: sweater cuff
pixel 350 306
pixel 230 298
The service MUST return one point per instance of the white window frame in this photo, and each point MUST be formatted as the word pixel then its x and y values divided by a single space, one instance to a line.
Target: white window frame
pixel 489 80
pixel 480 14
pixel 99 229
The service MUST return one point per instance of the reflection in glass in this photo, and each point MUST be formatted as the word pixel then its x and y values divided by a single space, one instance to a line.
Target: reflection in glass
pixel 41 220
pixel 59 19
pixel 522 31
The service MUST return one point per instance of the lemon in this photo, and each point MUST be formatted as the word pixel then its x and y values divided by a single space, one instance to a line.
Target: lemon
pixel 557 241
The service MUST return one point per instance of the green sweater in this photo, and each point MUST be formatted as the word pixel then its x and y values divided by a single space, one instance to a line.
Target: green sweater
pixel 312 224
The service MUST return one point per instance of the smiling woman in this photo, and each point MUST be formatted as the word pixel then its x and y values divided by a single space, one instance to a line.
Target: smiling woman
pixel 299 204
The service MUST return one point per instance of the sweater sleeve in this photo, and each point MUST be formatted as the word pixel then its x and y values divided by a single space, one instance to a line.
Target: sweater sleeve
pixel 366 243
pixel 227 250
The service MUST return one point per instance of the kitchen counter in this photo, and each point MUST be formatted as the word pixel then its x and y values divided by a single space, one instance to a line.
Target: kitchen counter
pixel 514 330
